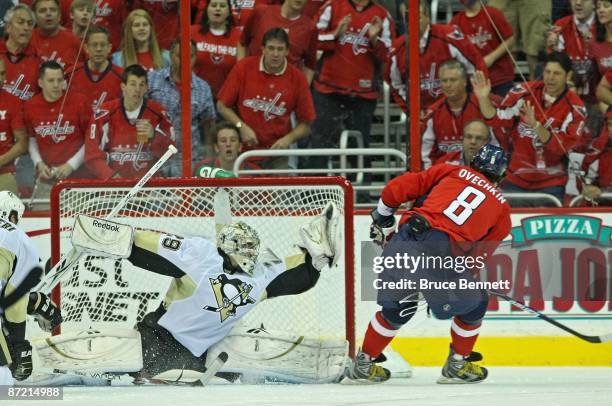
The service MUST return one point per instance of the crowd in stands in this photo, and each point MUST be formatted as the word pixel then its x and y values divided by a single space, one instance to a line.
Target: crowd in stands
pixel 92 88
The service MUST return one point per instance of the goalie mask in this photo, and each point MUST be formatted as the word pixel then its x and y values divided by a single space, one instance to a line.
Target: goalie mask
pixel 240 242
pixel 10 205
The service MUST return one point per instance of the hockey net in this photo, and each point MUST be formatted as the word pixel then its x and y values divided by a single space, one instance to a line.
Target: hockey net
pixel 102 293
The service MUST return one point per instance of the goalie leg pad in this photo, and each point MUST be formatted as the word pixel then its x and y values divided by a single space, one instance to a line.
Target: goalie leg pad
pixel 285 357
pixel 92 351
pixel 321 237
pixel 102 237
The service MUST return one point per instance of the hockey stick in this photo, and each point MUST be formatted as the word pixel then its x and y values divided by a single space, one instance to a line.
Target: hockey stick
pixel 591 339
pixel 24 287
pixel 58 272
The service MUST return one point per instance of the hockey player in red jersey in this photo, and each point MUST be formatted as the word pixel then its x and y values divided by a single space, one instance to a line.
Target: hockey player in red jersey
pixel 463 204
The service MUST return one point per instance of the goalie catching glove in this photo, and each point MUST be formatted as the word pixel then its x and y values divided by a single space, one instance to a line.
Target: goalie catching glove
pixel 45 312
pixel 381 228
pixel 321 237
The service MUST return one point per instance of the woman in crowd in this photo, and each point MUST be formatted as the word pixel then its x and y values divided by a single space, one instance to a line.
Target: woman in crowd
pixel 139 43
pixel 216 39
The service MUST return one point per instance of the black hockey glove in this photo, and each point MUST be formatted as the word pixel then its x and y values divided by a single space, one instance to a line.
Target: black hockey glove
pixel 381 228
pixel 45 312
pixel 21 354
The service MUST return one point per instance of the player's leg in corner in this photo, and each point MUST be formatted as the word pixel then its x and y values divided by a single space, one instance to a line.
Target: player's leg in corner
pixel 460 366
pixel 382 328
pixel 161 352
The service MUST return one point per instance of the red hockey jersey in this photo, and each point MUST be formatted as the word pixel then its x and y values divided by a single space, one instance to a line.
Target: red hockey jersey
pixel 62 48
pixel 348 64
pixel 576 46
pixel 21 71
pixel 11 119
pixel 97 87
pixel 59 133
pixel 442 129
pixel 460 202
pixel 533 165
pixel 481 31
pixel 302 35
pixel 111 146
pixel 441 43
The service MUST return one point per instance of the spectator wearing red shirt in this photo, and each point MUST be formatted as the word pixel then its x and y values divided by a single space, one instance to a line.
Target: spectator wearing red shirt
pixel 52 41
pixel 442 131
pixel 481 25
pixel 353 36
pixel 19 55
pixel 260 95
pixel 98 80
pixel 216 39
pixel 438 44
pixel 301 29
pixel 546 121
pixel 128 135
pixel 600 47
pixel 165 18
pixel 57 128
pixel 241 9
pixel 572 35
pixel 13 136
pixel 82 16
pixel 139 43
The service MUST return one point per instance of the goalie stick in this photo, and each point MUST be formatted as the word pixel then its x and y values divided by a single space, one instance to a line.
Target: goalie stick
pixel 58 272
pixel 24 287
pixel 591 339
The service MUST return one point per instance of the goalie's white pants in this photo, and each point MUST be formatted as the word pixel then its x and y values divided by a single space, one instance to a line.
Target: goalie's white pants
pixel 6 378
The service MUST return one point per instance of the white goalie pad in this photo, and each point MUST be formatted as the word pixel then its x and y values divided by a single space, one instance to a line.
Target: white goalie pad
pixel 91 351
pixel 102 237
pixel 322 237
pixel 279 356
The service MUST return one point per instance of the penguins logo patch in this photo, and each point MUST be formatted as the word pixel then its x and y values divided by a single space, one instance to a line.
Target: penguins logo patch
pixel 230 294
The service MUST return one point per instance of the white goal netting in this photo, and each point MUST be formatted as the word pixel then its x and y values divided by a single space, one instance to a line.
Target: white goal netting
pixel 102 293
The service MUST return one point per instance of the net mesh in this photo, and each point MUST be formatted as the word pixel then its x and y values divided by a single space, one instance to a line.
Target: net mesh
pixel 102 292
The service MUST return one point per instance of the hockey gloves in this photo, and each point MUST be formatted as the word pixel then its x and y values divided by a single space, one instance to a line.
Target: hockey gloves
pixel 45 312
pixel 381 228
pixel 21 354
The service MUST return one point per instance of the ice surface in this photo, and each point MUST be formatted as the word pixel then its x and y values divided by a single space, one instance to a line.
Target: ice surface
pixel 505 386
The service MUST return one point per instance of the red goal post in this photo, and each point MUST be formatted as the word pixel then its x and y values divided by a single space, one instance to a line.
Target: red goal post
pixel 101 292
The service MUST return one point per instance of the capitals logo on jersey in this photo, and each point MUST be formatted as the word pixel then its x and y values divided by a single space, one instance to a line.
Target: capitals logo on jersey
pixel 358 40
pixel 269 107
pixel 229 294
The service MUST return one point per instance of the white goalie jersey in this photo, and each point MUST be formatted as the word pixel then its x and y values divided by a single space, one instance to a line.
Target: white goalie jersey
pixel 204 305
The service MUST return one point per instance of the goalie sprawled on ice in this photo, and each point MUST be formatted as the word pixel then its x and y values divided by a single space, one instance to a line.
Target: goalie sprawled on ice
pixel 213 287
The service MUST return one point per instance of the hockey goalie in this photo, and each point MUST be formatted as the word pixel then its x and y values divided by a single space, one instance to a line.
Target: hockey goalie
pixel 213 286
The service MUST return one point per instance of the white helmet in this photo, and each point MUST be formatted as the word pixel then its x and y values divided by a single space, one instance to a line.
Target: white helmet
pixel 9 204
pixel 241 243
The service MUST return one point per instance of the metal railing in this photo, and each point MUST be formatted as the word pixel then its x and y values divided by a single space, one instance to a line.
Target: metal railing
pixel 534 197
pixel 342 170
pixel 604 197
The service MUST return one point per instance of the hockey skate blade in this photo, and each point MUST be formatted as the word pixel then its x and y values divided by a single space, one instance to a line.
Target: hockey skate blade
pixel 442 380
pixel 348 381
pixel 214 367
